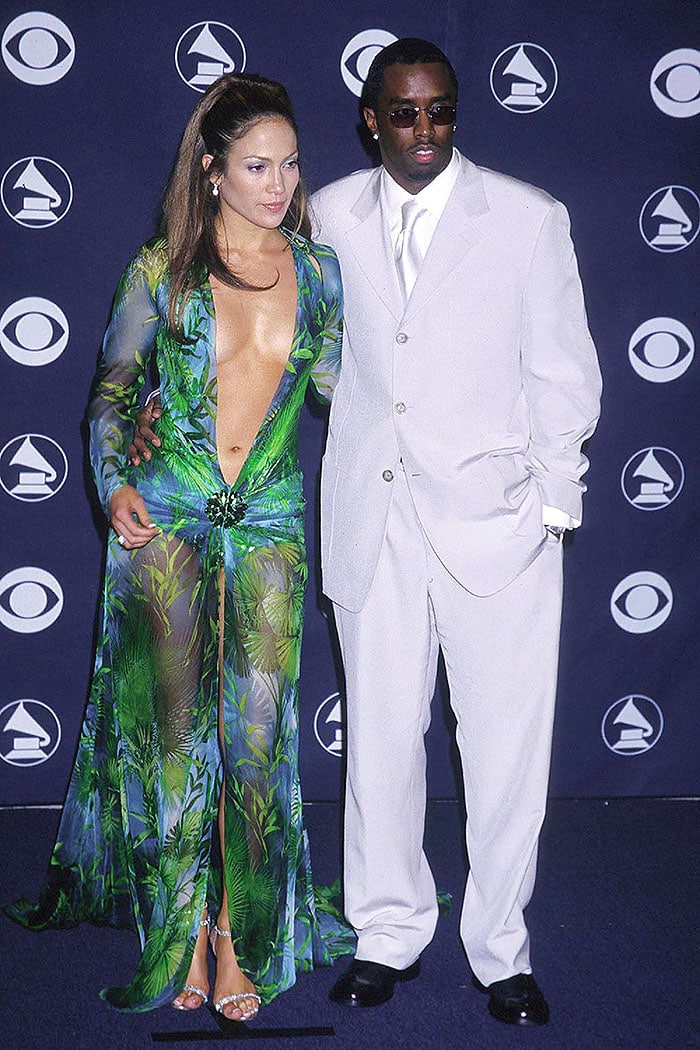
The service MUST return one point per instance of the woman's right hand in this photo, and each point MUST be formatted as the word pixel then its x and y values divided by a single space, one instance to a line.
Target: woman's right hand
pixel 143 434
pixel 124 504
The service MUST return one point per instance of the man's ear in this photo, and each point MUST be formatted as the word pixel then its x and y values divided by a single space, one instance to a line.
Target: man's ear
pixel 370 120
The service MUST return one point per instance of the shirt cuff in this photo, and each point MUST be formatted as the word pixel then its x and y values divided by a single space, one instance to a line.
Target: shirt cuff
pixel 558 518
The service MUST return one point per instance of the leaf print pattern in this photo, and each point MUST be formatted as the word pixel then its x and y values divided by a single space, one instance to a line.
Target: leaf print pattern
pixel 136 846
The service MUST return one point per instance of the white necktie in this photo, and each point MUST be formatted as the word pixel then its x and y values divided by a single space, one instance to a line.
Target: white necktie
pixel 408 255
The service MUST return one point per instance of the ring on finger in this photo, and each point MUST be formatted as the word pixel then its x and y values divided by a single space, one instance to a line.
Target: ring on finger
pixel 121 540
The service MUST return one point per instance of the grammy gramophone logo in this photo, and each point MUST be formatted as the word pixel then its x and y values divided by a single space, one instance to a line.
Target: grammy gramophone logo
pixel 652 478
pixel 33 468
pixel 670 218
pixel 632 725
pixel 206 51
pixel 328 725
pixel 524 78
pixel 30 733
pixel 36 192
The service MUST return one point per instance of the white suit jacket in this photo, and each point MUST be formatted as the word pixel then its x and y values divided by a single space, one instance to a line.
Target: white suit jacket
pixel 482 388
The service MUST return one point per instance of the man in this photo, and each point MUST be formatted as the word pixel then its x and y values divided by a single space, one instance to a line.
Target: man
pixel 468 385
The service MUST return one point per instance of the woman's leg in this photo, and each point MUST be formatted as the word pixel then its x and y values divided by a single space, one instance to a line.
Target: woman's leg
pixel 230 979
pixel 169 574
pixel 260 816
pixel 196 989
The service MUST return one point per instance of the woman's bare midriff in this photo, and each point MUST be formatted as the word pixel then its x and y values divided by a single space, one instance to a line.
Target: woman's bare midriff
pixel 254 332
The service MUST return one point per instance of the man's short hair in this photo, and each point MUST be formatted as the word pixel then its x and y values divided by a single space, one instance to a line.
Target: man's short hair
pixel 408 51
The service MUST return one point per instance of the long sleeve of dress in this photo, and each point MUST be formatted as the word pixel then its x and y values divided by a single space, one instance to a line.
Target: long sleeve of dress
pixel 126 349
pixel 324 374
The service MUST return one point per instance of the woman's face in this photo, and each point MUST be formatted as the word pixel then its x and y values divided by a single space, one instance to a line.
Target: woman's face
pixel 261 174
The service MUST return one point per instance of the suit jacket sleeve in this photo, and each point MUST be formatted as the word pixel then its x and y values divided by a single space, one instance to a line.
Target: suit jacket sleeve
pixel 316 216
pixel 561 379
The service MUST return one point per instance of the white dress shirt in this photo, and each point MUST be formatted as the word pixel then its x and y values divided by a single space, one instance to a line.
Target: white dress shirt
pixel 432 198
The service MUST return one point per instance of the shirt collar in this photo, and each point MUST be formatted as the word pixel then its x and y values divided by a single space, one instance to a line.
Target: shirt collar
pixel 433 197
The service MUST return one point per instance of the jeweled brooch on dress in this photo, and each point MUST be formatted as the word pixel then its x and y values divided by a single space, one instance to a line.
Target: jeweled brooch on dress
pixel 226 508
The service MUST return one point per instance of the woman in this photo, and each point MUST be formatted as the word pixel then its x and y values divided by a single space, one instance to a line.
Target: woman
pixel 184 802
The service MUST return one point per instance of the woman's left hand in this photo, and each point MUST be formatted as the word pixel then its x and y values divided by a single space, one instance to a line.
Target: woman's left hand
pixel 125 505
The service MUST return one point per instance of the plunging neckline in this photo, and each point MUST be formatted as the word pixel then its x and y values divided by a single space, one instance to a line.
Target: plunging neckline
pixel 299 261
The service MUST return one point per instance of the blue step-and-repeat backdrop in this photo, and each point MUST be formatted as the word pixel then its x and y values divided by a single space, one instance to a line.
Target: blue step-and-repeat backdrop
pixel 596 102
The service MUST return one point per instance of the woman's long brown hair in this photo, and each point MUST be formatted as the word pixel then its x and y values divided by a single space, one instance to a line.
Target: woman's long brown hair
pixel 226 111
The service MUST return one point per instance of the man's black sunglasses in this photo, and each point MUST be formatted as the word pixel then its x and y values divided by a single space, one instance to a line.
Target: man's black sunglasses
pixel 438 114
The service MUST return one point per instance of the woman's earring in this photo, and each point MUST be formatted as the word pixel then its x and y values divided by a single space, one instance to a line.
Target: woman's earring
pixel 376 136
pixel 214 190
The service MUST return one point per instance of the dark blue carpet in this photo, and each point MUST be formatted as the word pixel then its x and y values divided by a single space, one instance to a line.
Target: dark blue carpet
pixel 614 925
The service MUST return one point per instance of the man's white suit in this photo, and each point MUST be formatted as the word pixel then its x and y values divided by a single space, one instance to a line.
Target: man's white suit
pixel 456 417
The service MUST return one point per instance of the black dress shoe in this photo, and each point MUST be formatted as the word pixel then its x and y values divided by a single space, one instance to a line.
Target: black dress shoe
pixel 367 983
pixel 517 1000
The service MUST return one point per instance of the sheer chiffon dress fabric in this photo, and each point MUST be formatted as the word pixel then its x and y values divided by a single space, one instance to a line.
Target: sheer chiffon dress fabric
pixel 208 614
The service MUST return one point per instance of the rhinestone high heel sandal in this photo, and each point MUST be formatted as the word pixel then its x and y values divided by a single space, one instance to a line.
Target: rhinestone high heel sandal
pixel 237 997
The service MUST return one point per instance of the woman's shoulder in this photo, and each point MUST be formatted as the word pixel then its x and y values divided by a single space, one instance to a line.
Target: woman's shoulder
pixel 308 247
pixel 324 258
pixel 152 258
pixel 148 266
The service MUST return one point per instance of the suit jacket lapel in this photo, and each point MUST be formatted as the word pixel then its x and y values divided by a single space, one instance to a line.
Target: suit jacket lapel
pixel 370 243
pixel 461 227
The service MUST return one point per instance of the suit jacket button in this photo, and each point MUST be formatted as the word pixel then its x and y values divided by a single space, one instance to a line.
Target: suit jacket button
pixel 401 338
pixel 388 475
pixel 400 407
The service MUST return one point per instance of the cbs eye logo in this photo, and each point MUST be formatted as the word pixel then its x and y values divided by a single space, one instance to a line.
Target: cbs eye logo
pixel 38 48
pixel 641 602
pixel 359 54
pixel 31 600
pixel 675 83
pixel 661 349
pixel 33 331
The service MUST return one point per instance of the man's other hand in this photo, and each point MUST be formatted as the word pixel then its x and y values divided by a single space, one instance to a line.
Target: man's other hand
pixel 143 436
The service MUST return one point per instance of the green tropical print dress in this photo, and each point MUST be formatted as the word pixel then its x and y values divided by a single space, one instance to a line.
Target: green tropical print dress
pixel 206 615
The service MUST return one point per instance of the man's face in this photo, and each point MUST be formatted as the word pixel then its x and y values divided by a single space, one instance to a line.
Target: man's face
pixel 413 156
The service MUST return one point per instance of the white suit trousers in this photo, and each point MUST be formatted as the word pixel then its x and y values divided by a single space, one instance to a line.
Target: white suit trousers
pixel 501 655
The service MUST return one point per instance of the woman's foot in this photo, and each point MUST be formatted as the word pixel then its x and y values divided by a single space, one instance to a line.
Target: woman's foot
pixel 196 990
pixel 234 994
